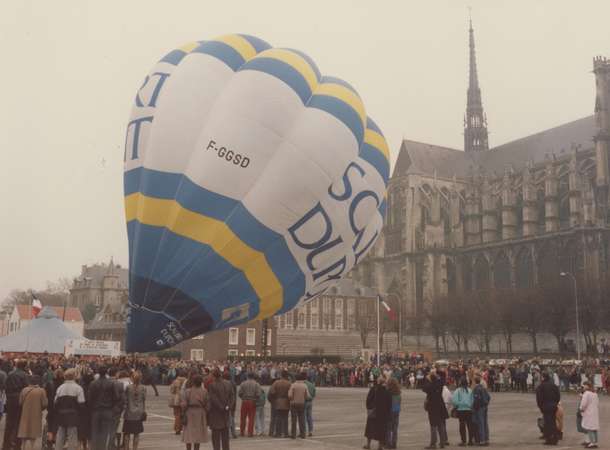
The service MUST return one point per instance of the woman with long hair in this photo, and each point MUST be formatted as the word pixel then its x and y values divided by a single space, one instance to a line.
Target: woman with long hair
pixel 435 407
pixel 135 411
pixel 462 401
pixel 378 407
pixel 392 432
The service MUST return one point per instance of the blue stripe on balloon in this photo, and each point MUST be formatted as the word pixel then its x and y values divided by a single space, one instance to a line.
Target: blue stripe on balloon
pixel 377 160
pixel 174 57
pixel 341 111
pixel 335 80
pixel 222 51
pixel 284 72
pixel 258 44
pixel 182 264
pixel 371 125
pixel 167 185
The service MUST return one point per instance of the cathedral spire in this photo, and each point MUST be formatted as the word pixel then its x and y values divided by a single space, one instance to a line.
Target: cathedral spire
pixel 475 121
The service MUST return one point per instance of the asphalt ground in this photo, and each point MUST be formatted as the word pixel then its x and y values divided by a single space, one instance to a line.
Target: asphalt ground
pixel 339 419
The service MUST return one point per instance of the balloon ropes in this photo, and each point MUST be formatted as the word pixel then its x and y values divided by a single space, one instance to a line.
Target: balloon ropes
pixel 252 184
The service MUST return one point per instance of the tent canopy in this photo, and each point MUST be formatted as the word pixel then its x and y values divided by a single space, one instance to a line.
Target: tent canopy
pixel 46 333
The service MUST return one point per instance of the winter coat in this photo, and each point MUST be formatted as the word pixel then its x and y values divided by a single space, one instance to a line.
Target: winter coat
pixel 379 407
pixel 437 411
pixel 462 399
pixel 589 407
pixel 298 393
pixel 33 401
pixel 279 393
pixel 547 396
pixel 221 399
pixel 195 402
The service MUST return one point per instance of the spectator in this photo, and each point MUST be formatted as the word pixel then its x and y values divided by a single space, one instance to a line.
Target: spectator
pixel 69 402
pixel 462 402
pixel 279 392
pixel 249 392
pixel 221 400
pixel 195 405
pixel 589 408
pixel 392 432
pixel 311 387
pixel 298 395
pixel 378 407
pixel 174 399
pixel 480 402
pixel 104 400
pixel 547 398
pixel 435 406
pixel 33 400
pixel 260 413
pixel 135 411
pixel 15 382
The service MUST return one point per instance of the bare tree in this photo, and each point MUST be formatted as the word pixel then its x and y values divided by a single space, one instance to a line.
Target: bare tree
pixel 507 315
pixel 531 313
pixel 438 320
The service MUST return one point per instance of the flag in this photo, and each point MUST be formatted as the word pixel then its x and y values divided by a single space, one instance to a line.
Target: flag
pixel 390 311
pixel 36 305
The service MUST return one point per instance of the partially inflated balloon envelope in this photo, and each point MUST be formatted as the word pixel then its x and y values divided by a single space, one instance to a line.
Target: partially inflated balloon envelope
pixel 252 184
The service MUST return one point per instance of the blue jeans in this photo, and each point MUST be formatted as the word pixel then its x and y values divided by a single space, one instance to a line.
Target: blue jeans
pixel 479 417
pixel 259 422
pixel 309 417
pixel 592 436
pixel 391 437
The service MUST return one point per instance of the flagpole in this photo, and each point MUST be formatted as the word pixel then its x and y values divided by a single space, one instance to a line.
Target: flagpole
pixel 378 331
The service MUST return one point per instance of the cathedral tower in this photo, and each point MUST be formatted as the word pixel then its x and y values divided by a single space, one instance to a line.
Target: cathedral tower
pixel 475 121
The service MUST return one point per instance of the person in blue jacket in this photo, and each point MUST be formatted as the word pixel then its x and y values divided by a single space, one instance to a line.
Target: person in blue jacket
pixel 462 402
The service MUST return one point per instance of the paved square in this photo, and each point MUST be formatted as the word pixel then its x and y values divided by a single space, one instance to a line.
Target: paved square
pixel 340 416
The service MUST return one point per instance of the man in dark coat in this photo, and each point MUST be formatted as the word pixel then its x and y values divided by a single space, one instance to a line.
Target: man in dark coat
pixel 547 398
pixel 15 382
pixel 279 392
pixel 379 408
pixel 435 406
pixel 221 397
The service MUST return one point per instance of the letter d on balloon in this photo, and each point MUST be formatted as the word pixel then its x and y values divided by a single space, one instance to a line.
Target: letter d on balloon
pixel 310 218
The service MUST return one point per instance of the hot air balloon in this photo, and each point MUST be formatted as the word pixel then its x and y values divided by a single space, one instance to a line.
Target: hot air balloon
pixel 252 184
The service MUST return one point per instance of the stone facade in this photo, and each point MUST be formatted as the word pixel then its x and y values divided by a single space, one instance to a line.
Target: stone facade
pixel 510 217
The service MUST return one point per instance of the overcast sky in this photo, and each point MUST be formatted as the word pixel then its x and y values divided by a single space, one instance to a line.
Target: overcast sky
pixel 70 71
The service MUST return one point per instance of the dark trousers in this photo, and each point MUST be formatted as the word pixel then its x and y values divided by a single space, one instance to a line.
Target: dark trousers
pixel 392 431
pixel 13 414
pixel 272 421
pixel 220 437
pixel 281 422
pixel 550 426
pixel 248 411
pixel 297 412
pixel 437 429
pixel 103 427
pixel 465 418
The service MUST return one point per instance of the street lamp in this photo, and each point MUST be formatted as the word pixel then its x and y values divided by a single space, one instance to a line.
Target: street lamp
pixel 568 274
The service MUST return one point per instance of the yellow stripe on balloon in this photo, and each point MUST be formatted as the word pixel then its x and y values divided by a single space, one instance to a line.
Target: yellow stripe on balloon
pixel 378 141
pixel 240 44
pixel 344 94
pixel 187 48
pixel 299 63
pixel 206 230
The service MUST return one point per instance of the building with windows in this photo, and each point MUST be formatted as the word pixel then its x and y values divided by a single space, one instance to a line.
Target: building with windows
pixel 508 217
pixel 342 321
pixel 242 341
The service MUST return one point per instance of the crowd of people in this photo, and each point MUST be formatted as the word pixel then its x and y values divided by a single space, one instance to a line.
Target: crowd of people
pixel 100 403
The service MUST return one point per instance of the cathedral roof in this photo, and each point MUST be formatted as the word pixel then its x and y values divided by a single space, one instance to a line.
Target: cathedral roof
pixel 428 159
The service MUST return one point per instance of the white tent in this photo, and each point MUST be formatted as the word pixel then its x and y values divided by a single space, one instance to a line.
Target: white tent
pixel 46 333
